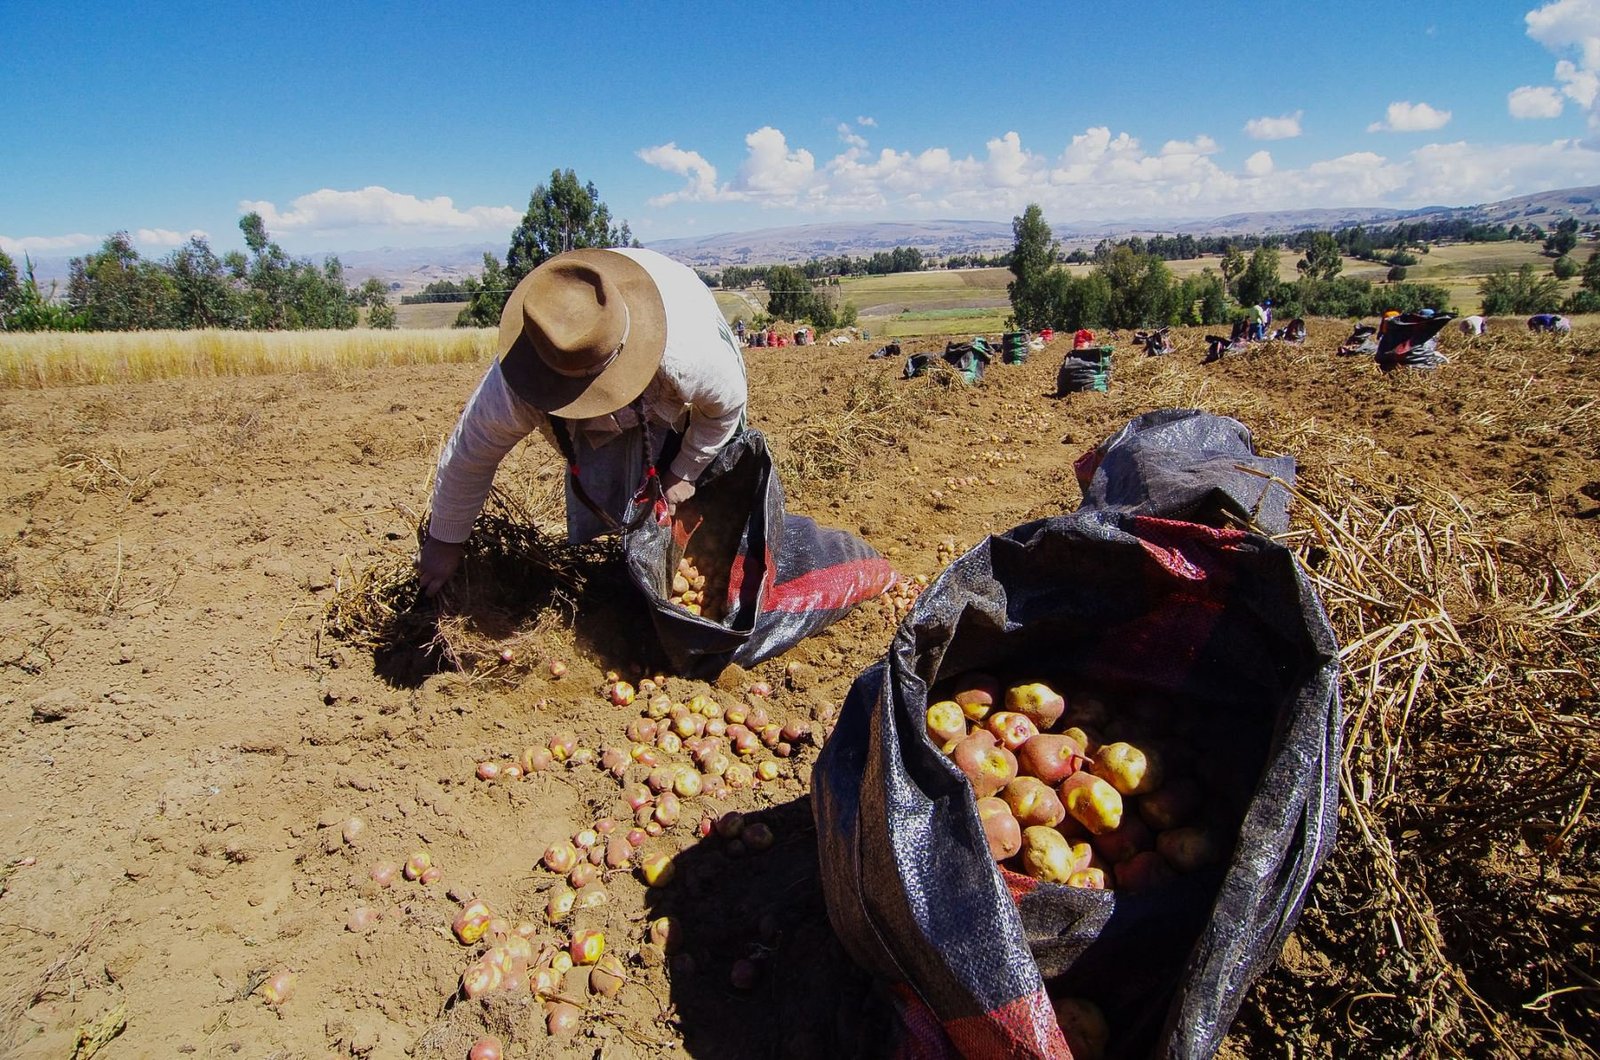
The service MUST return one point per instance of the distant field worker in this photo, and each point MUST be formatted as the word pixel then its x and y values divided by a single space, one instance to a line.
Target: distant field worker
pixel 1549 322
pixel 1472 326
pixel 623 361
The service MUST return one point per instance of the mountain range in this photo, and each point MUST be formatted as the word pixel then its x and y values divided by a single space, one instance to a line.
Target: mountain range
pixel 410 269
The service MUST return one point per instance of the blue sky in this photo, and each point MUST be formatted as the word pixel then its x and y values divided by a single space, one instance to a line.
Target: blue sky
pixel 353 125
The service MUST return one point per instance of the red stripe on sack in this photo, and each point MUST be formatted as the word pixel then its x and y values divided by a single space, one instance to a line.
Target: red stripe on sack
pixel 1019 885
pixel 1024 1028
pixel 922 1037
pixel 834 588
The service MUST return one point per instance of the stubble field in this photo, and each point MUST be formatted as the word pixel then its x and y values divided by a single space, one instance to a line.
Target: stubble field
pixel 189 738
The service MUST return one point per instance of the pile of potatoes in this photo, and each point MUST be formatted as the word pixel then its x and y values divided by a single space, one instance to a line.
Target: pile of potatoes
pixel 689 590
pixel 1071 792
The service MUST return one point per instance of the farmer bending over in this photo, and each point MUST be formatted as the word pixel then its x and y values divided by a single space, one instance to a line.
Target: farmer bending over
pixel 623 361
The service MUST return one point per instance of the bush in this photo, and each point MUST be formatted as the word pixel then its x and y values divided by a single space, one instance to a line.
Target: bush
pixel 1396 274
pixel 1564 267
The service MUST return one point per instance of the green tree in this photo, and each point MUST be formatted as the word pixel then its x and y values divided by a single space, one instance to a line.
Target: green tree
pixel 205 294
pixel 1202 299
pixel 1322 260
pixel 116 290
pixel 375 296
pixel 1141 288
pixel 1232 265
pixel 1564 267
pixel 789 293
pixel 1508 292
pixel 486 296
pixel 1396 273
pixel 1591 273
pixel 36 311
pixel 1260 278
pixel 1033 256
pixel 1563 239
pixel 10 289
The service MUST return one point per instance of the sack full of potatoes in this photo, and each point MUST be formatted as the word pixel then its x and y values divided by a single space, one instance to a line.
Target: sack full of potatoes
pixel 1076 809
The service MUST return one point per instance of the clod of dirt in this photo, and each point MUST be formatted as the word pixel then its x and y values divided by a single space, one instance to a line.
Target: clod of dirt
pixel 59 705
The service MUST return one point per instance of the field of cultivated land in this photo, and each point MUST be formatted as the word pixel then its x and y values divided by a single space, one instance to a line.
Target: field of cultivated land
pixel 223 711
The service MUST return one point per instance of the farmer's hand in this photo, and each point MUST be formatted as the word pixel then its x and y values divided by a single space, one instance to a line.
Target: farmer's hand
pixel 675 491
pixel 437 562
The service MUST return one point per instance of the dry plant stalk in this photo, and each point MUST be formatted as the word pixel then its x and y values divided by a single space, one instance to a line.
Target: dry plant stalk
pixel 874 415
pixel 511 572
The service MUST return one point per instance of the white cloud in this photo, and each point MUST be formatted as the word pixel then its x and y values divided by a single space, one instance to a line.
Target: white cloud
pixel 1534 101
pixel 1200 145
pixel 20 245
pixel 851 137
pixel 163 237
pixel 1107 175
pixel 870 123
pixel 1566 27
pixel 1286 127
pixel 1411 117
pixel 702 175
pixel 328 210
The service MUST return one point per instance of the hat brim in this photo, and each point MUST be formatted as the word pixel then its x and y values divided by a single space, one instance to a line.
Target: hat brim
pixel 624 379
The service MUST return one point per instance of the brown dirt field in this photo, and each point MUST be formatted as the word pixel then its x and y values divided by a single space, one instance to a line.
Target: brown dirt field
pixel 187 741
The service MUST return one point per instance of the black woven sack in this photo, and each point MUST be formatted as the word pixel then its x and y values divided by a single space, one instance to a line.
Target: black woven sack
pixel 782 576
pixel 1119 595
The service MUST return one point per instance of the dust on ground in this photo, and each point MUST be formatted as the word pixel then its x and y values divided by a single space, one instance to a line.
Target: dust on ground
pixel 187 743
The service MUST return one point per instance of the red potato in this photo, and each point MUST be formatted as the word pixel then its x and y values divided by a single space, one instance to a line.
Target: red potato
pixel 1143 871
pixel 977 693
pixel 1188 848
pixel 472 923
pixel 946 722
pixel 1129 769
pixel 1088 738
pixel 561 857
pixel 587 946
pixel 988 766
pixel 607 976
pixel 667 932
pixel 1172 805
pixel 278 987
pixel 1033 802
pixel 560 903
pixel 1051 757
pixel 656 869
pixel 1091 802
pixel 1124 841
pixel 618 851
pixel 1084 1026
pixel 535 760
pixel 479 978
pixel 1040 703
pixel 1000 828
pixel 1010 728
pixel 383 874
pixel 1046 855
pixel 417 864
pixel 1092 878
pixel 487 1048
pixel 562 1019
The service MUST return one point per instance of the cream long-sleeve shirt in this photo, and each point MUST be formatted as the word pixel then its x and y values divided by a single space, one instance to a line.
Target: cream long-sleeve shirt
pixel 699 388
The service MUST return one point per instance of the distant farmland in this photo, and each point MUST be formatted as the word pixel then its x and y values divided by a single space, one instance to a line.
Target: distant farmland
pixel 974 301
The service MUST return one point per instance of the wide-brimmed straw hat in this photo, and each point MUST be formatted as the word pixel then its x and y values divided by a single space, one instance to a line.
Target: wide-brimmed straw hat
pixel 582 334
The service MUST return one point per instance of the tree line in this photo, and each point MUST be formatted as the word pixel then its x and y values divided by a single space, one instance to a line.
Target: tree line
pixel 1129 287
pixel 115 289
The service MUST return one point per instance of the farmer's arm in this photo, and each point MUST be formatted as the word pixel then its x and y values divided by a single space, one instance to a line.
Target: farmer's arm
pixel 491 425
pixel 714 389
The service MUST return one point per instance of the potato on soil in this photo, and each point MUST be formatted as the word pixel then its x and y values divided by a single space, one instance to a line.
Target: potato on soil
pixel 1000 828
pixel 1091 802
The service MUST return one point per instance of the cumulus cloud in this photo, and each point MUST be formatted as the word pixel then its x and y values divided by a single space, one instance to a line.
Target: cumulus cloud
pixel 20 245
pixel 868 122
pixel 702 175
pixel 1566 27
pixel 328 210
pixel 851 137
pixel 1534 101
pixel 1286 127
pixel 164 237
pixel 1104 174
pixel 1411 117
